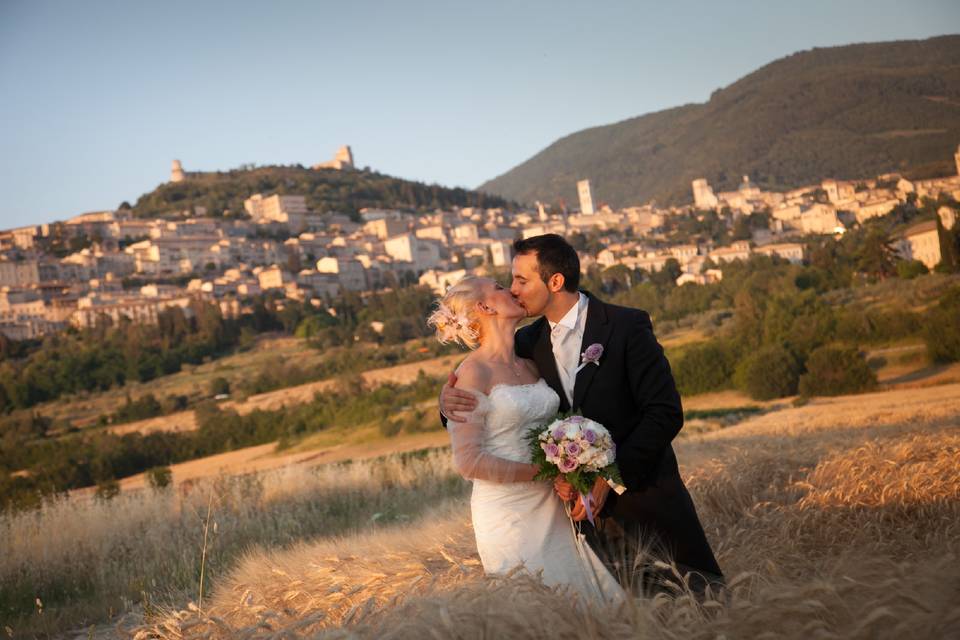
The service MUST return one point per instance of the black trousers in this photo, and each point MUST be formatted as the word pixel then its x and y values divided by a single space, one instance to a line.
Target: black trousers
pixel 639 532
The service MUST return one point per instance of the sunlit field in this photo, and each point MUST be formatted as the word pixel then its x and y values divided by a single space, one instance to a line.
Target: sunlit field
pixel 75 562
pixel 839 518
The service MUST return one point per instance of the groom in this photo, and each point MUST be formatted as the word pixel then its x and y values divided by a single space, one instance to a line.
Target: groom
pixel 631 392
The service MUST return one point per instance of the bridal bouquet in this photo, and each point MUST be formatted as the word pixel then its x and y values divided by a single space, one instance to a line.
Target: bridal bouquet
pixel 579 449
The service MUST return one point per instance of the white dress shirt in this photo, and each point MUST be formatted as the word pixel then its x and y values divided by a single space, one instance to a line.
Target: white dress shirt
pixel 566 337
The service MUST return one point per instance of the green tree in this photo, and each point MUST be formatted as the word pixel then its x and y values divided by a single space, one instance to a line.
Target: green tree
pixel 876 256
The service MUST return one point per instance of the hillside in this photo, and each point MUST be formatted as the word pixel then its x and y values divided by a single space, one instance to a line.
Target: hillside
pixel 327 190
pixel 846 112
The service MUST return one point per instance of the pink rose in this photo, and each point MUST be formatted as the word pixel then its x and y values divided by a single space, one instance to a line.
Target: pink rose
pixel 559 433
pixel 589 436
pixel 567 465
pixel 573 449
pixel 551 450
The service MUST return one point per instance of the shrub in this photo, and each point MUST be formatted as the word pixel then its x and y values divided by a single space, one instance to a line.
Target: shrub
pixel 834 371
pixel 910 269
pixel 142 408
pixel 389 428
pixel 219 386
pixel 705 367
pixel 159 477
pixel 108 489
pixel 941 328
pixel 175 403
pixel 771 372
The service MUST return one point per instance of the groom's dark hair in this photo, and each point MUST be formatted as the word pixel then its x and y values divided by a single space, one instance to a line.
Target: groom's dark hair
pixel 554 255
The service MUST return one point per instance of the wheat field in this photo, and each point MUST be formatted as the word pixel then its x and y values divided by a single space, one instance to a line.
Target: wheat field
pixel 836 519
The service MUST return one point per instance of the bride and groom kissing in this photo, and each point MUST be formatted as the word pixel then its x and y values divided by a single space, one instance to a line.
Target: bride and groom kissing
pixel 515 379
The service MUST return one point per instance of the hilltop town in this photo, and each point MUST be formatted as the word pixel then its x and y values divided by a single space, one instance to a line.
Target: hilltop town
pixel 111 264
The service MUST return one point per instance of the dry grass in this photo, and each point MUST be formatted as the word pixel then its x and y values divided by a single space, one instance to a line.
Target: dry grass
pixel 839 519
pixel 320 449
pixel 88 560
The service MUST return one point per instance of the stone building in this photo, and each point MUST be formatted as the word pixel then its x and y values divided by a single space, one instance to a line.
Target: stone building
pixel 349 272
pixel 921 242
pixel 703 196
pixel 289 210
pixel 791 251
pixel 176 172
pixel 586 197
pixel 342 160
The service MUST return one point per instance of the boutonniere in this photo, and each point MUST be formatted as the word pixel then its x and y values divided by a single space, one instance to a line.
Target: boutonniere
pixel 590 355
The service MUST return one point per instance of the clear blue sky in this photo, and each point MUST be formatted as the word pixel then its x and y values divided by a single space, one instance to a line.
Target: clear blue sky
pixel 98 97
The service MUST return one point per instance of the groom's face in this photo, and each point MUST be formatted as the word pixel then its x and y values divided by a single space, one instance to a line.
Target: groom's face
pixel 527 285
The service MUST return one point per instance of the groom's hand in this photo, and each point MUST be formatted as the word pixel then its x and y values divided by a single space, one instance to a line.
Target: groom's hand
pixel 599 492
pixel 453 400
pixel 564 489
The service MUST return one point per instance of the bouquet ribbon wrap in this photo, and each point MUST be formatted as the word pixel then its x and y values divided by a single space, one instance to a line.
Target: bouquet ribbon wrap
pixel 588 505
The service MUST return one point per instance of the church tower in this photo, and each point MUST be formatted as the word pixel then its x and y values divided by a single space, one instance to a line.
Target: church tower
pixel 176 172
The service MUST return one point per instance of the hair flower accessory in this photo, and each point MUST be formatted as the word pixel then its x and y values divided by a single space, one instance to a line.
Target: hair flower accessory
pixel 451 327
pixel 590 355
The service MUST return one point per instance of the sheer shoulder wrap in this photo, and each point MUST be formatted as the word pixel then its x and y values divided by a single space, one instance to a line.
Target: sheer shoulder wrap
pixel 469 457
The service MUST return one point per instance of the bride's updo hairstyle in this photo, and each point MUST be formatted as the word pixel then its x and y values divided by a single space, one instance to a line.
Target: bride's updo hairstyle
pixel 455 317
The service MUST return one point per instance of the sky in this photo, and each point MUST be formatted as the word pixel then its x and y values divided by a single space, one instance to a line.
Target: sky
pixel 97 97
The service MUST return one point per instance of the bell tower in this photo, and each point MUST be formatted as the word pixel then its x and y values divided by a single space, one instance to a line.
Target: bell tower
pixel 176 172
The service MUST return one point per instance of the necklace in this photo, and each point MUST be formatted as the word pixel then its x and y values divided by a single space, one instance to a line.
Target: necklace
pixel 515 367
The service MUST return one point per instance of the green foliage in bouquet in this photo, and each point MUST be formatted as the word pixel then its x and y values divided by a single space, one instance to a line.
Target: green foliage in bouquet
pixel 581 480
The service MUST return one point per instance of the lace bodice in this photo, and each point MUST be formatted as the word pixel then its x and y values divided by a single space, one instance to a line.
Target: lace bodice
pixel 490 444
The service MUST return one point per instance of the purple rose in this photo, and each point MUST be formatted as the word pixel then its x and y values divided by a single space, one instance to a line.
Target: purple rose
pixel 551 450
pixel 567 465
pixel 576 419
pixel 589 435
pixel 593 353
pixel 573 449
pixel 559 433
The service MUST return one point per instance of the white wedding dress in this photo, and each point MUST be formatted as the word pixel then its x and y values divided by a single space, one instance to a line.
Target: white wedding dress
pixel 522 523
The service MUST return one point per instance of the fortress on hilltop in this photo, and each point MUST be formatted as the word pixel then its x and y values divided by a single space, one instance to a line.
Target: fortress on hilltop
pixel 343 160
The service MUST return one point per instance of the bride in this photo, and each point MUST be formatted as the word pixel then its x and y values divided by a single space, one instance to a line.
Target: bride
pixel 516 520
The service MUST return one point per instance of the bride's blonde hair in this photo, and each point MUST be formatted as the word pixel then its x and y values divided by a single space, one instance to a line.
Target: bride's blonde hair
pixel 455 317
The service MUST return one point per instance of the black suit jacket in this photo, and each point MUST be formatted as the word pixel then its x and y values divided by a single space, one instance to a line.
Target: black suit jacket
pixel 631 391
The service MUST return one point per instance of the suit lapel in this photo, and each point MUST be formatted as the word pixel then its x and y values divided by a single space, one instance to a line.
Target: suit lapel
pixel 596 331
pixel 547 364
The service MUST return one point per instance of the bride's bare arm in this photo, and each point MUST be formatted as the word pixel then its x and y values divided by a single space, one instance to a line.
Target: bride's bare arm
pixel 469 457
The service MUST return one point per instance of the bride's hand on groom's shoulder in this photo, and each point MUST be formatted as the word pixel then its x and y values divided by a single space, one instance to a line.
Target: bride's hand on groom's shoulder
pixel 600 492
pixel 454 400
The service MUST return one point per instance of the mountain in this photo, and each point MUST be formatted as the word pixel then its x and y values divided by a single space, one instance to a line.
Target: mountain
pixel 845 112
pixel 326 190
